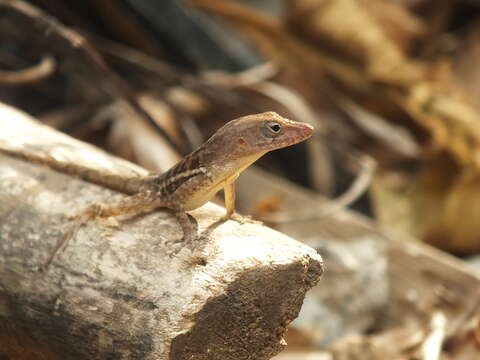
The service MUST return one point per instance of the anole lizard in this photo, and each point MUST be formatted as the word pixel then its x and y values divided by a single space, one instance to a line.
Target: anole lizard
pixel 194 180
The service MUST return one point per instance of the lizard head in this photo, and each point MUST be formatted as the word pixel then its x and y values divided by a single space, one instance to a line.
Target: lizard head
pixel 258 134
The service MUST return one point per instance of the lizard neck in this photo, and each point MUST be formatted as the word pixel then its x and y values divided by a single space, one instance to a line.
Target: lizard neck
pixel 219 175
pixel 233 168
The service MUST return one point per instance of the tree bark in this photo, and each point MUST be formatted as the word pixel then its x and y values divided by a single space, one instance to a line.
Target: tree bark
pixel 115 292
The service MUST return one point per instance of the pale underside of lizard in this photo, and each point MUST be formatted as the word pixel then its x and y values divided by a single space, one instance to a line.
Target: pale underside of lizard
pixel 195 179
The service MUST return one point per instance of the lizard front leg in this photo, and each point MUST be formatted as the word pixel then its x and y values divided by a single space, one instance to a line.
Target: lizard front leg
pixel 140 202
pixel 188 226
pixel 229 193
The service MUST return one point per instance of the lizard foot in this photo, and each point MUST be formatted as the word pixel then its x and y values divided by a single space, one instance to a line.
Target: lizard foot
pixel 190 235
pixel 242 219
pixel 178 244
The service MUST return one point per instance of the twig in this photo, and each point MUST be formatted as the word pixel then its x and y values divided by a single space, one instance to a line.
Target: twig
pixel 395 137
pixel 116 51
pixel 368 166
pixel 250 77
pixel 292 100
pixel 164 74
pixel 117 87
pixel 35 73
pixel 241 13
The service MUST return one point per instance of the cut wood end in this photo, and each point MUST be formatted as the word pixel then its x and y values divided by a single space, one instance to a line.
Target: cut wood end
pixel 270 275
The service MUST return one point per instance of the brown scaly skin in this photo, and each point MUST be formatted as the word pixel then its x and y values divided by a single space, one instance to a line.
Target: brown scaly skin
pixel 196 178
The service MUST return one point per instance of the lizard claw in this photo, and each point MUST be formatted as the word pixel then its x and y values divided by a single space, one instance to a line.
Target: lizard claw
pixel 177 245
pixel 242 219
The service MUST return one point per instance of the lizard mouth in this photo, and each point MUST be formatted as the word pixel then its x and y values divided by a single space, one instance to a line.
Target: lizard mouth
pixel 306 130
pixel 297 133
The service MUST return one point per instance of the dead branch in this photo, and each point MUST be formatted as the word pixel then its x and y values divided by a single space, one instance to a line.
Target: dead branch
pixel 70 41
pixel 35 73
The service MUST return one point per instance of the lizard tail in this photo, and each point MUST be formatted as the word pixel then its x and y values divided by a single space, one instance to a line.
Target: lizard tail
pixel 125 184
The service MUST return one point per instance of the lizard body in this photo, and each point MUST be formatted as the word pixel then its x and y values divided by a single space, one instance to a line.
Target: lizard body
pixel 196 178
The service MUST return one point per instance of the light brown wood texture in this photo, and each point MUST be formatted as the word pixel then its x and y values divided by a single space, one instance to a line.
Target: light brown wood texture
pixel 116 293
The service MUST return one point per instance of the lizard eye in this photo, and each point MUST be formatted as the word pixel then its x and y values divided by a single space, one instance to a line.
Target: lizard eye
pixel 273 128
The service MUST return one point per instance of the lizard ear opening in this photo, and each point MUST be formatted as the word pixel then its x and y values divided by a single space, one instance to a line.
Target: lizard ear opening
pixel 242 142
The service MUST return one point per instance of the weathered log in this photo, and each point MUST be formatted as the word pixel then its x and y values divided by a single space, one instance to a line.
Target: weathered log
pixel 375 279
pixel 115 292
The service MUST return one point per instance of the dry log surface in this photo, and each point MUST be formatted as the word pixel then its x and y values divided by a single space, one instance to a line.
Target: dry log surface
pixel 115 293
